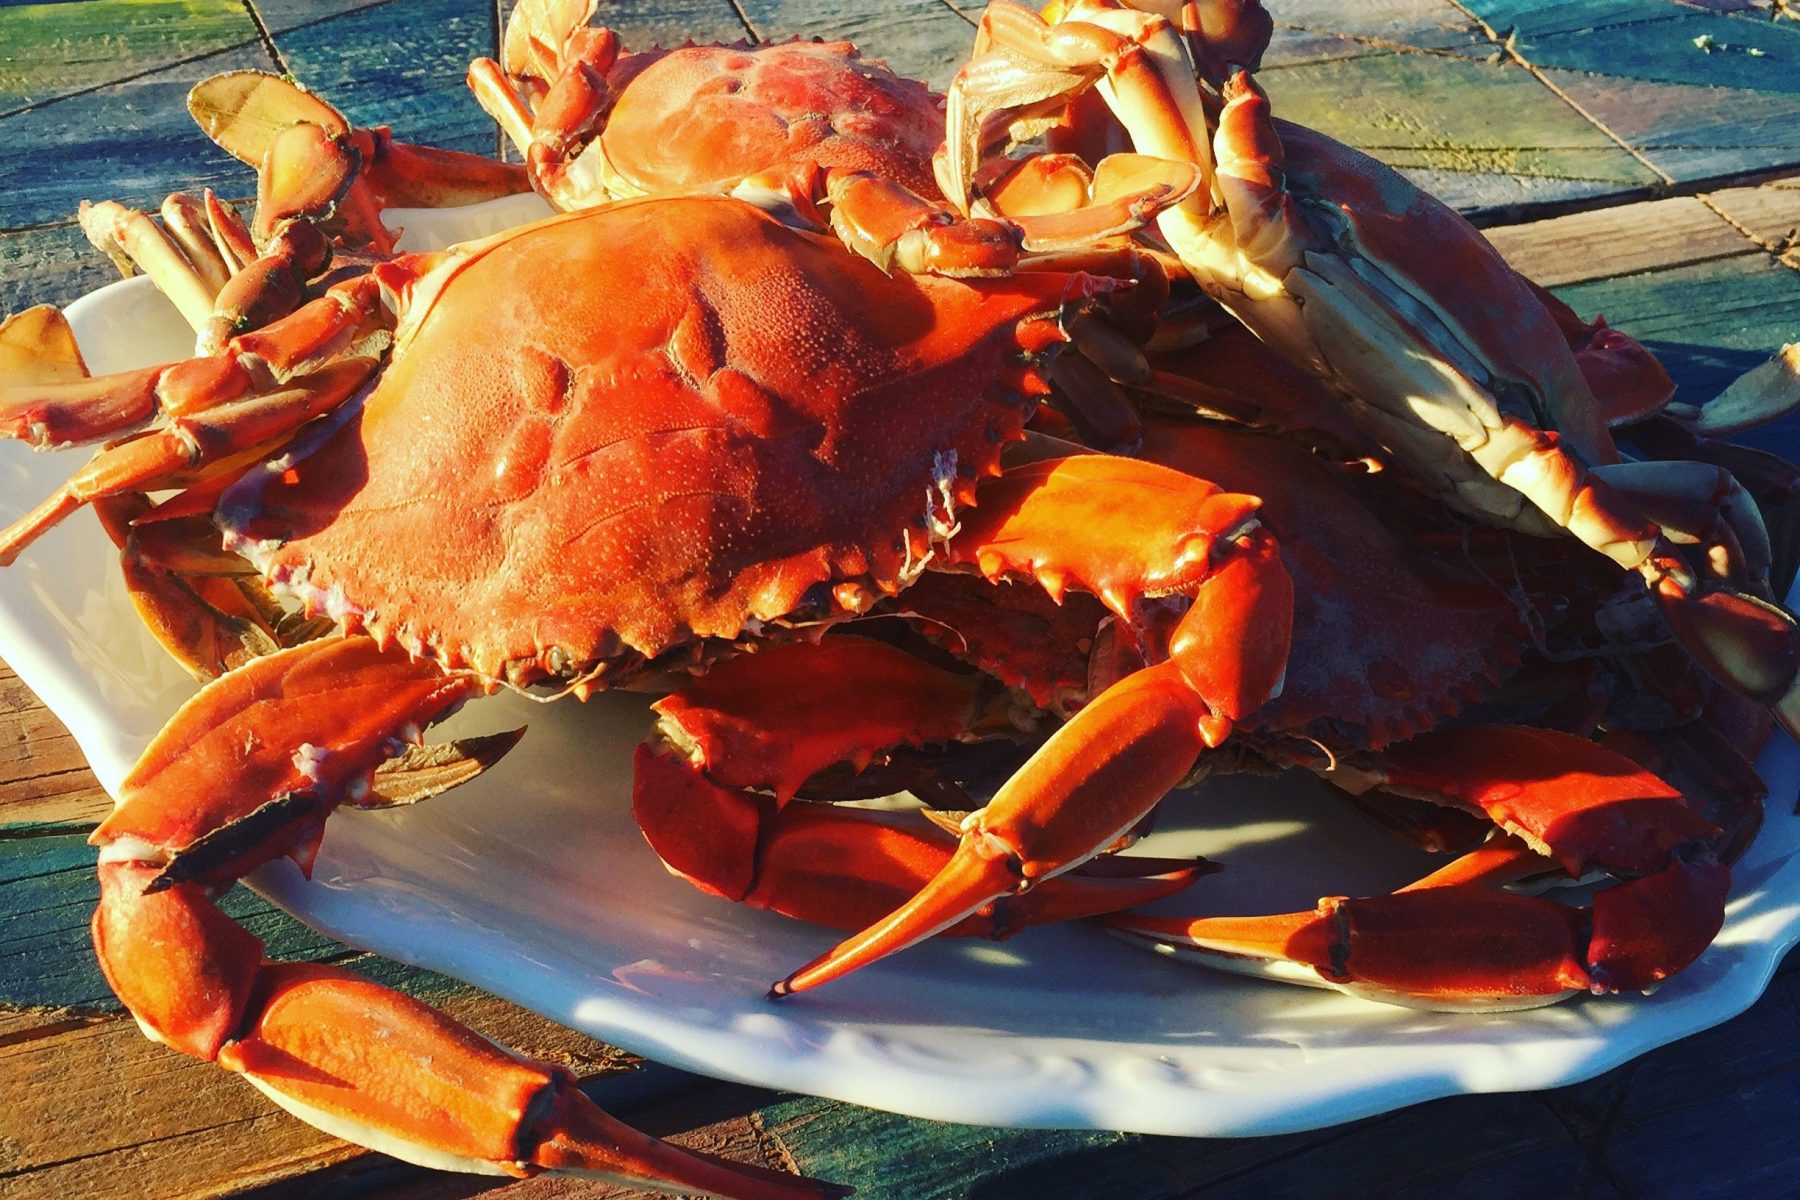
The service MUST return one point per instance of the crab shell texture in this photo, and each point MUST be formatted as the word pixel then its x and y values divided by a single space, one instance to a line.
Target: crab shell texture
pixel 628 429
pixel 703 118
pixel 1387 641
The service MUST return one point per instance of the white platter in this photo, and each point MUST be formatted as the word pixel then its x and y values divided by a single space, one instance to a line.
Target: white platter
pixel 534 884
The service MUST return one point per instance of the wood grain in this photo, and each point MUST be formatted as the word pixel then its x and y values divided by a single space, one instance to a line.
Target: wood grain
pixel 52 51
pixel 1609 242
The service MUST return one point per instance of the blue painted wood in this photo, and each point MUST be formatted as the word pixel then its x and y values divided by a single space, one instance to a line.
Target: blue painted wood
pixel 133 142
pixel 400 64
pixel 52 265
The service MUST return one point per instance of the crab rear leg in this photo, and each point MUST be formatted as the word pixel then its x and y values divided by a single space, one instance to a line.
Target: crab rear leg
pixel 736 744
pixel 206 607
pixel 1120 529
pixel 1452 940
pixel 248 771
pixel 218 413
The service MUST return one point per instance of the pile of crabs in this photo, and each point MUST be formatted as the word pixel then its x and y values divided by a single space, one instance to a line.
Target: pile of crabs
pixel 1089 415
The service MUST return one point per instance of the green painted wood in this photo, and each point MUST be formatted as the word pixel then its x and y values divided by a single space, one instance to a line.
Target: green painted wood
pixel 51 50
pixel 400 64
pixel 1481 135
pixel 133 142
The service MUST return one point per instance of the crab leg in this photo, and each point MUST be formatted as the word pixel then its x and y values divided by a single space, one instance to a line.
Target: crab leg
pixel 247 112
pixel 1077 522
pixel 293 735
pixel 848 867
pixel 216 435
pixel 1452 941
pixel 772 720
pixel 218 413
pixel 1421 332
pixel 196 600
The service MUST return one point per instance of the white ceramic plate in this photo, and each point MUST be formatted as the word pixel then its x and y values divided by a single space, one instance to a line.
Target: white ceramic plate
pixel 533 883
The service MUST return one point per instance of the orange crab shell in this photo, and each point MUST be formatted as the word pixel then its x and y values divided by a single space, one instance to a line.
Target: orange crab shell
pixel 622 430
pixel 703 117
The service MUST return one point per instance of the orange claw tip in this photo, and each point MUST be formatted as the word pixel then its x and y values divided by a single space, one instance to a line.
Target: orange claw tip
pixel 967 882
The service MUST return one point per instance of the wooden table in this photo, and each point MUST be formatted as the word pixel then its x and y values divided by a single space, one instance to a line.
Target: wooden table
pixel 1640 140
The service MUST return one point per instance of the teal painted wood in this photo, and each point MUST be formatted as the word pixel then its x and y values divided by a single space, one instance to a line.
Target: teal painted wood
pixel 47 960
pixel 1751 307
pixel 1447 1148
pixel 51 889
pixel 1683 46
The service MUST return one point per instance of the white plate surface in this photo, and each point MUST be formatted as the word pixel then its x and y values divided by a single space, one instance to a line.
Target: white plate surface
pixel 534 884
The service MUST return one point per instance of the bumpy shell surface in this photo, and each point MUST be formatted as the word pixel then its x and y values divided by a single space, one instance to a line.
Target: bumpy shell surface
pixel 629 428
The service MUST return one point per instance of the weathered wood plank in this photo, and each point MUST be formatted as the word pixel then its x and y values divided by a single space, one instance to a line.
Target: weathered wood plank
pixel 49 265
pixel 44 780
pixel 280 15
pixel 1619 241
pixel 1416 24
pixel 133 142
pixel 1691 133
pixel 400 64
pixel 1482 136
pixel 923 39
pixel 51 50
pixel 1712 1116
pixel 1770 215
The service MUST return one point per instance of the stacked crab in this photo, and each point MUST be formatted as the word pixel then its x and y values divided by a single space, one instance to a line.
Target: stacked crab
pixel 872 425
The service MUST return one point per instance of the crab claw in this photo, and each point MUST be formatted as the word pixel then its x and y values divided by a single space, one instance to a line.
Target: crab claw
pixel 848 867
pixel 247 771
pixel 1100 774
pixel 387 1071
pixel 1451 940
